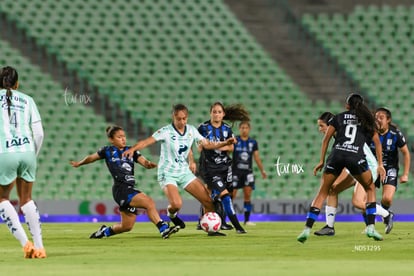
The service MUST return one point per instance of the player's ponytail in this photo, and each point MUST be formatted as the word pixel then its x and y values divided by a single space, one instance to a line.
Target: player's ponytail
pixel 234 112
pixel 356 104
pixel 9 78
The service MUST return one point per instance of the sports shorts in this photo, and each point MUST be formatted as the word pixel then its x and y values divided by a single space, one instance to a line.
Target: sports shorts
pixel 179 180
pixel 17 164
pixel 123 195
pixel 243 179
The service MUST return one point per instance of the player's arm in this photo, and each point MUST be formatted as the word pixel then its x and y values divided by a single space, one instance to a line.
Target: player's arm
pixel 211 145
pixel 325 143
pixel 378 153
pixel 139 146
pixel 258 161
pixel 88 159
pixel 192 164
pixel 146 163
pixel 407 159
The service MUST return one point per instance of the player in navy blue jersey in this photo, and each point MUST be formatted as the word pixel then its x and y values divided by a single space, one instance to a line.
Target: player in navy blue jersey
pixel 216 165
pixel 245 150
pixel 124 191
pixel 353 129
pixel 391 140
pixel 345 181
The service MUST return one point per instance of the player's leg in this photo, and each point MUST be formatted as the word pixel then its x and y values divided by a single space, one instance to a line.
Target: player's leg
pixel 343 182
pixel 247 204
pixel 316 205
pixel 9 215
pixel 388 191
pixel 141 200
pixel 365 179
pixel 175 204
pixel 197 189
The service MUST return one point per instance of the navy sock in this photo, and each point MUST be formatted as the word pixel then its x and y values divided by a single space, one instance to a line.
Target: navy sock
pixel 247 210
pixel 312 216
pixel 161 225
pixel 371 209
pixel 109 232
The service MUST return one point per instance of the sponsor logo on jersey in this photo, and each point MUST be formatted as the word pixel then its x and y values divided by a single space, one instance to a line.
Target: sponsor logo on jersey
pixel 17 141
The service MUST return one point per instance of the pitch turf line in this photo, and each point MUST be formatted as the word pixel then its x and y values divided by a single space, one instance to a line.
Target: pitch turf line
pixel 267 249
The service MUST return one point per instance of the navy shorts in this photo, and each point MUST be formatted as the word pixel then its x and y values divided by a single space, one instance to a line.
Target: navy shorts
pixel 243 179
pixel 338 160
pixel 123 195
pixel 219 180
pixel 391 178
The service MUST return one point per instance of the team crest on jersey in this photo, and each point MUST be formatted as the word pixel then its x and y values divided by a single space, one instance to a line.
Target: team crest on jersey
pixel 15 142
pixel 225 133
pixel 126 166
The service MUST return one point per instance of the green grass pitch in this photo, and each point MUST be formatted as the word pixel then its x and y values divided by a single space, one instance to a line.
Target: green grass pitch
pixel 267 249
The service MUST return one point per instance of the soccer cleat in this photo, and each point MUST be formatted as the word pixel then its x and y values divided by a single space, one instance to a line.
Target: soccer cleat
pixel 28 250
pixel 178 222
pixel 169 231
pixel 99 234
pixel 215 234
pixel 198 227
pixel 304 235
pixel 225 226
pixel 241 231
pixel 325 231
pixel 372 233
pixel 249 223
pixel 389 222
pixel 39 253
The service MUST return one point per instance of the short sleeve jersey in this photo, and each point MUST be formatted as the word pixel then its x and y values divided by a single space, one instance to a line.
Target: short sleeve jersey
pixel 243 154
pixel 215 159
pixel 15 130
pixel 175 148
pixel 390 141
pixel 121 168
pixel 350 135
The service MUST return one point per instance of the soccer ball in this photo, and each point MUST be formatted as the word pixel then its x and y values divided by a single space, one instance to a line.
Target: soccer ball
pixel 210 222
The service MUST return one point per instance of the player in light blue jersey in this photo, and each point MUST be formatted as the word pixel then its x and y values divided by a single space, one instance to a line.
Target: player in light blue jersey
pixel 176 141
pixel 21 137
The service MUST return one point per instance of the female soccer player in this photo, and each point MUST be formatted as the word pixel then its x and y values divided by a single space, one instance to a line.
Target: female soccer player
pixel 391 140
pixel 215 165
pixel 352 127
pixel 345 181
pixel 123 189
pixel 21 138
pixel 173 169
pixel 245 150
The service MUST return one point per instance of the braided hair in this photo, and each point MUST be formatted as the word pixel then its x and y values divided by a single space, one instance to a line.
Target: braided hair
pixel 8 79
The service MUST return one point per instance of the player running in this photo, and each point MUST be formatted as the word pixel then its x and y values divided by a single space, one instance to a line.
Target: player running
pixel 345 181
pixel 352 127
pixel 391 140
pixel 123 189
pixel 173 169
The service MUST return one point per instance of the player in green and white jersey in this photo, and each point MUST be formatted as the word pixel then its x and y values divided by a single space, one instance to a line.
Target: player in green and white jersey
pixel 21 137
pixel 176 141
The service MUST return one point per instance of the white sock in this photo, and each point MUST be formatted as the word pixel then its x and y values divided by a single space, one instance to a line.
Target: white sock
pixel 330 213
pixel 9 215
pixel 171 215
pixel 31 214
pixel 381 211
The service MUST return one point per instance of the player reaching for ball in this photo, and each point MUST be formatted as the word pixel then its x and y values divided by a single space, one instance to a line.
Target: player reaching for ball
pixel 173 170
pixel 123 189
